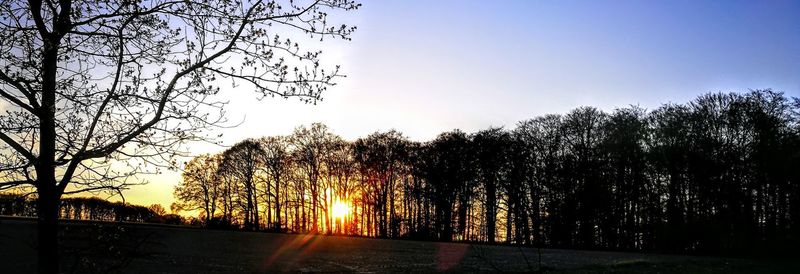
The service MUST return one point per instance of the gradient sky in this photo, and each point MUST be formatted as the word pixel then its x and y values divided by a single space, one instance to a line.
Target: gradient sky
pixel 423 67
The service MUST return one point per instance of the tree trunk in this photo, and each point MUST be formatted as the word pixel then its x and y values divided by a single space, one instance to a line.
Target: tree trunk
pixel 47 190
pixel 491 215
pixel 256 220
pixel 392 222
pixel 327 212
pixel 268 204
pixel 314 205
pixel 47 233
pixel 509 219
pixel 277 204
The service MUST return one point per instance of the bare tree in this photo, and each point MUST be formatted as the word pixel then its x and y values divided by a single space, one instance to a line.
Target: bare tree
pixel 491 147
pixel 90 85
pixel 241 163
pixel 625 180
pixel 309 145
pixel 342 173
pixel 200 188
pixel 157 209
pixel 277 166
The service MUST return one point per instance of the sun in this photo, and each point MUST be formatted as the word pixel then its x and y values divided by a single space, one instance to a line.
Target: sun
pixel 340 209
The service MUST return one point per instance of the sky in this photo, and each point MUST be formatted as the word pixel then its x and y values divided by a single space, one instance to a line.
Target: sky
pixel 424 67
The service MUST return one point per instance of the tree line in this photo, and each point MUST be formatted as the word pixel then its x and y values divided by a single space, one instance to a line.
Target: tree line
pixel 716 175
pixel 92 208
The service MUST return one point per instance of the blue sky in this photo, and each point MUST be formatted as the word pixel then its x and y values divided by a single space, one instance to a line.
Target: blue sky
pixel 575 53
pixel 423 67
pixel 428 66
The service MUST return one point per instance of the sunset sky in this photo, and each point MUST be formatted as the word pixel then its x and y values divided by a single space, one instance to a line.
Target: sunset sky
pixel 423 67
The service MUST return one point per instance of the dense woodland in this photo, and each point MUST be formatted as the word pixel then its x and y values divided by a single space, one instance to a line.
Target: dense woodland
pixel 717 175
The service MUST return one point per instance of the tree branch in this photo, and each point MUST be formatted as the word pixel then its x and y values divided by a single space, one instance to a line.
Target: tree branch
pixel 16 146
pixel 108 149
pixel 36 11
pixel 32 104
pixel 10 184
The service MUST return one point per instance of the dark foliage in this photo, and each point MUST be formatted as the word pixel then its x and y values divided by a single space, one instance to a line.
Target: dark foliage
pixel 718 175
pixel 89 208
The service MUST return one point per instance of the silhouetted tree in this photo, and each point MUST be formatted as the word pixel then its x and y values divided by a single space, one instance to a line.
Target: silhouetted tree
pixel 491 149
pixel 241 163
pixel 341 171
pixel 277 166
pixel 633 203
pixel 310 145
pixel 583 135
pixel 382 156
pixel 669 157
pixel 93 84
pixel 717 175
pixel 543 138
pixel 201 187
pixel 83 208
pixel 447 166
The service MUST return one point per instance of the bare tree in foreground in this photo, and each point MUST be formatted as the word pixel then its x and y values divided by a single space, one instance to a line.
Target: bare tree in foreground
pixel 90 86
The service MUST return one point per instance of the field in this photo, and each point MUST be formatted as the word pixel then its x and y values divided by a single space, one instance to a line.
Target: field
pixel 129 248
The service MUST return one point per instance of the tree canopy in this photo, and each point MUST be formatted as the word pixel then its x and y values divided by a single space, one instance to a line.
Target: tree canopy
pixel 97 91
pixel 717 175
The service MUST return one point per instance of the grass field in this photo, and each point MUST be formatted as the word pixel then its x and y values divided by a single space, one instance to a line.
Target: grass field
pixel 127 248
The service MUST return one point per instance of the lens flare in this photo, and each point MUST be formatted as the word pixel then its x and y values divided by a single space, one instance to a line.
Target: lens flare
pixel 340 209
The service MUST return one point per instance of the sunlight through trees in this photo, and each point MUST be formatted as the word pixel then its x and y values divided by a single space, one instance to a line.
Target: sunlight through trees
pixel 715 175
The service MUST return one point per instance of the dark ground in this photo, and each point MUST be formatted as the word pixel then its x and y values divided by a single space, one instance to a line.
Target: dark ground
pixel 128 248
